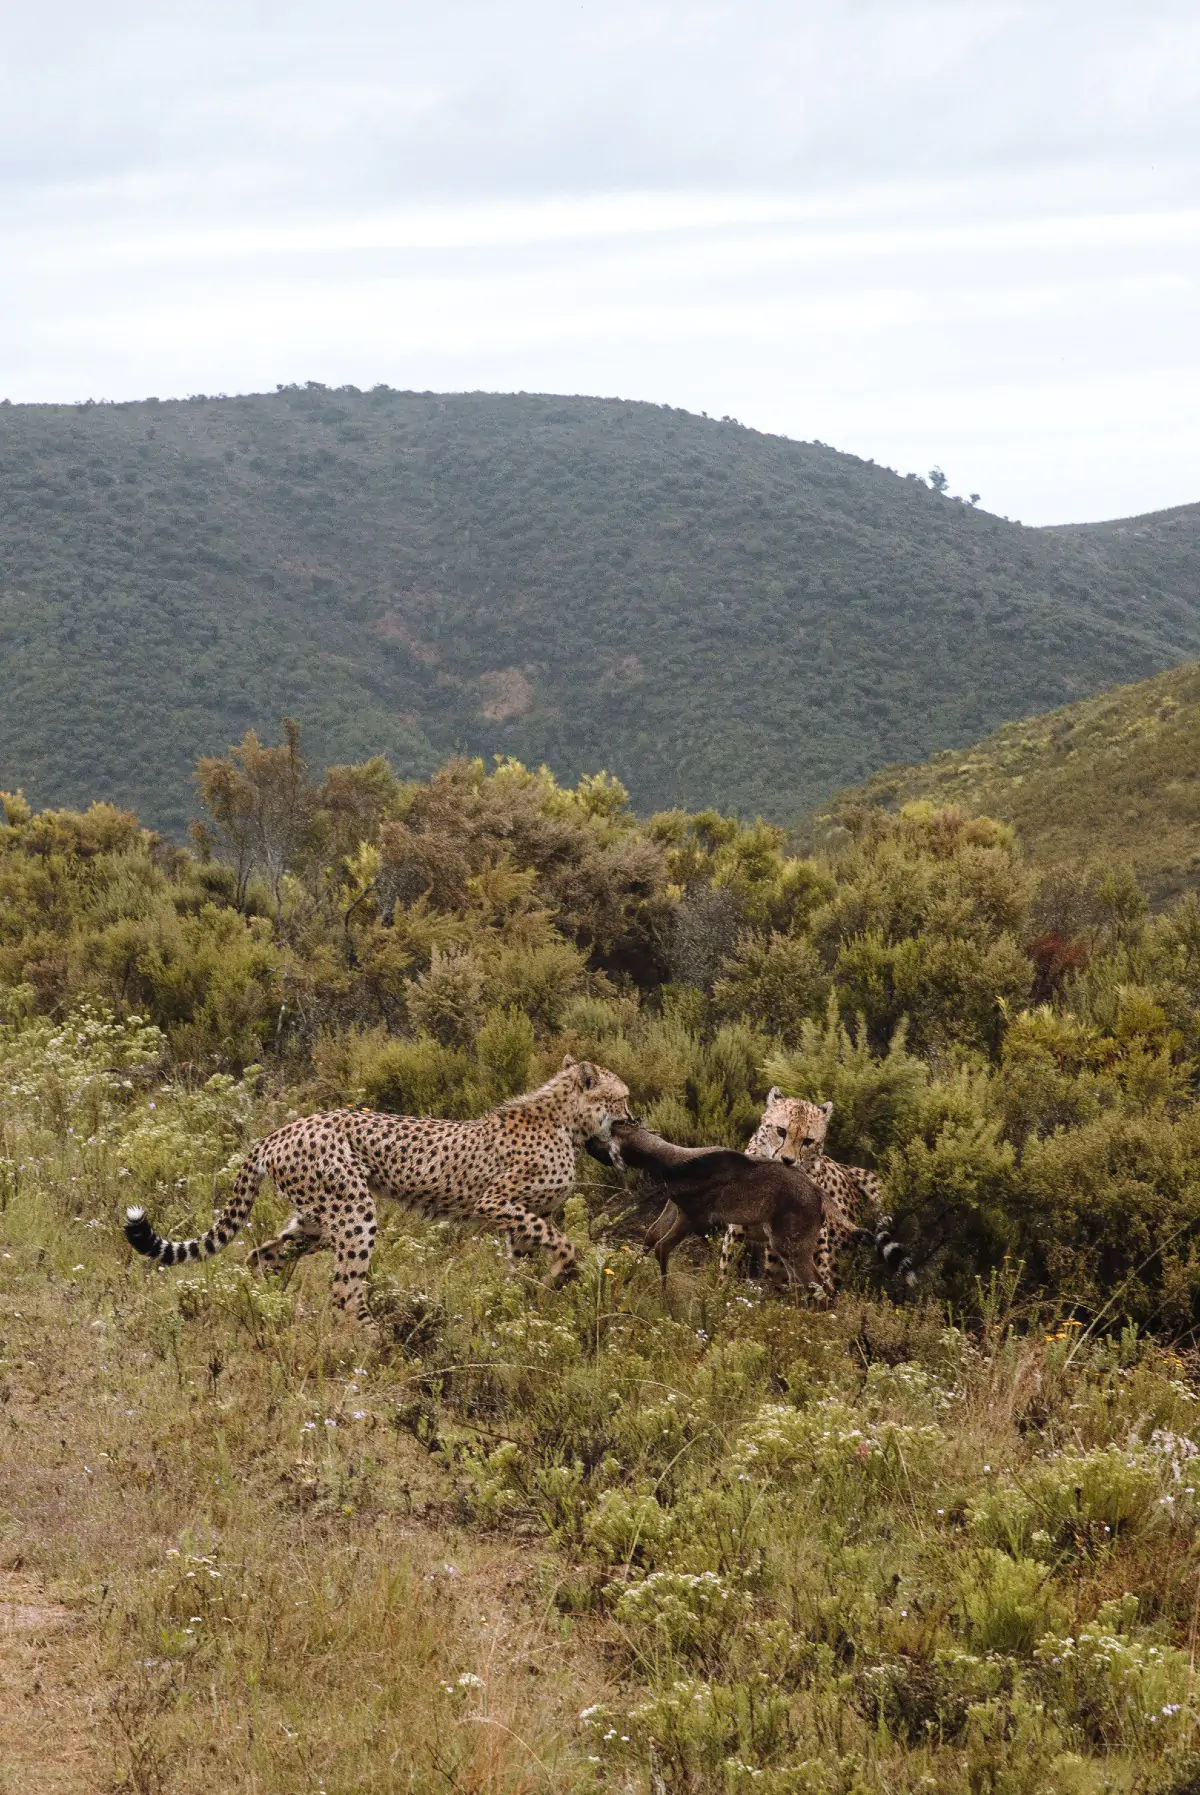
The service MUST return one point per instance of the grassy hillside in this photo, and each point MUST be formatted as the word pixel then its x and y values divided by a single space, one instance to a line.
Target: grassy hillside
pixel 714 614
pixel 1114 778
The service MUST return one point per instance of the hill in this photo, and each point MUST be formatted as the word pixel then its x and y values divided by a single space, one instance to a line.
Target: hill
pixel 715 615
pixel 1111 779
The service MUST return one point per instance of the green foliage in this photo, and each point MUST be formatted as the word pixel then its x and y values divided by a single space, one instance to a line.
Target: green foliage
pixel 1107 783
pixel 779 984
pixel 437 947
pixel 1007 1603
pixel 1117 1689
pixel 1078 1503
pixel 577 581
pixel 847 1552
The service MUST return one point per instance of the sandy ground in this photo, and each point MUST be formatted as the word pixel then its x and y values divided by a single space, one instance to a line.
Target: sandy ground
pixel 47 1730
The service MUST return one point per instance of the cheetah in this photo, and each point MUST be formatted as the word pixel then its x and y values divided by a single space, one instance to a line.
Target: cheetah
pixel 511 1167
pixel 843 1188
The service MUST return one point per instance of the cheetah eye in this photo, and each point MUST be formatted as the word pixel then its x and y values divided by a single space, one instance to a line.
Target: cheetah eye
pixel 781 1132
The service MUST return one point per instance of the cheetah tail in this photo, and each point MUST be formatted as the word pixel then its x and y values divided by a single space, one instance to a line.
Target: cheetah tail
pixel 143 1239
pixel 889 1249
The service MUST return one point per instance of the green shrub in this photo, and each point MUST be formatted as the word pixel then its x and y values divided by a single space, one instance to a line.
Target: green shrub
pixel 1075 1503
pixel 624 1528
pixel 683 1616
pixel 1116 1690
pixel 1007 1602
pixel 447 1000
pixel 777 984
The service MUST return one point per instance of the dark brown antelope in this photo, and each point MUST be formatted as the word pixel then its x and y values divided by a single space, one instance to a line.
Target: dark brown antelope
pixel 711 1187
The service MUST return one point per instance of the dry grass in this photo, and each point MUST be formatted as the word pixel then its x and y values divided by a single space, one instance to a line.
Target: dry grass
pixel 534 1540
pixel 256 1602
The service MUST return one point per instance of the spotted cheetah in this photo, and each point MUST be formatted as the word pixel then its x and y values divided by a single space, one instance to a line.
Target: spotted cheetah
pixel 844 1188
pixel 511 1167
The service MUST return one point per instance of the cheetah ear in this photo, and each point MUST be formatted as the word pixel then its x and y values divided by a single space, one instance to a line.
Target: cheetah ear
pixel 774 1095
pixel 826 1110
pixel 568 1062
pixel 588 1075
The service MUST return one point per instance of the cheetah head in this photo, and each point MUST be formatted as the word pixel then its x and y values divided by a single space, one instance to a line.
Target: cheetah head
pixel 598 1096
pixel 793 1127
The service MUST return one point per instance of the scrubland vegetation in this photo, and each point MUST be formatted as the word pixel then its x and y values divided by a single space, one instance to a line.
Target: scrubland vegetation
pixel 572 1539
pixel 1110 778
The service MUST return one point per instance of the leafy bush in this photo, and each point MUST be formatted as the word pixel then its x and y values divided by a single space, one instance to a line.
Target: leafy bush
pixel 1117 1690
pixel 1074 1503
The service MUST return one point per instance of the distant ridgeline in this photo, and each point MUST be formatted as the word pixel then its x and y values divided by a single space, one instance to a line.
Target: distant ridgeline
pixel 715 615
pixel 1113 780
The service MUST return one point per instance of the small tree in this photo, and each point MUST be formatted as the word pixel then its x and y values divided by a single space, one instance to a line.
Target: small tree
pixel 263 806
pixel 938 480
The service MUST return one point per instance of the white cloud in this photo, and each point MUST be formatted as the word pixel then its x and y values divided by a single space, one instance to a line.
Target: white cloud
pixel 963 233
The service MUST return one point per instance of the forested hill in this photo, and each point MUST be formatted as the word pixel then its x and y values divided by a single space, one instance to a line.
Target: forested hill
pixel 715 615
pixel 1113 780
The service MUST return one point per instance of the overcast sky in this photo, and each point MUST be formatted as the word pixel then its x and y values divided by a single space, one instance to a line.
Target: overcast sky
pixel 960 232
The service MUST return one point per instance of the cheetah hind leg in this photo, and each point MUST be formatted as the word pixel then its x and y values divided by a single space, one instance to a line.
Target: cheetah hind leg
pixel 300 1235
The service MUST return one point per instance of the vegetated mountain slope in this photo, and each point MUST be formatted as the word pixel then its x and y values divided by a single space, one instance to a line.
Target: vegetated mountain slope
pixel 714 615
pixel 1111 779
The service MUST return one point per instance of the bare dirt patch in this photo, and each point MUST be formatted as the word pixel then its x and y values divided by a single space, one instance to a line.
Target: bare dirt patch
pixel 46 1709
pixel 507 692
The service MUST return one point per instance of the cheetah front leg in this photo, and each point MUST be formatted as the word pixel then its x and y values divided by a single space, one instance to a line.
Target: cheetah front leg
pixel 351 1227
pixel 823 1258
pixel 525 1230
pixel 774 1269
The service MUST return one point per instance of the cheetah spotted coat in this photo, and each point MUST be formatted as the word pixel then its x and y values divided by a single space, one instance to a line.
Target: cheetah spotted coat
pixel 510 1168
